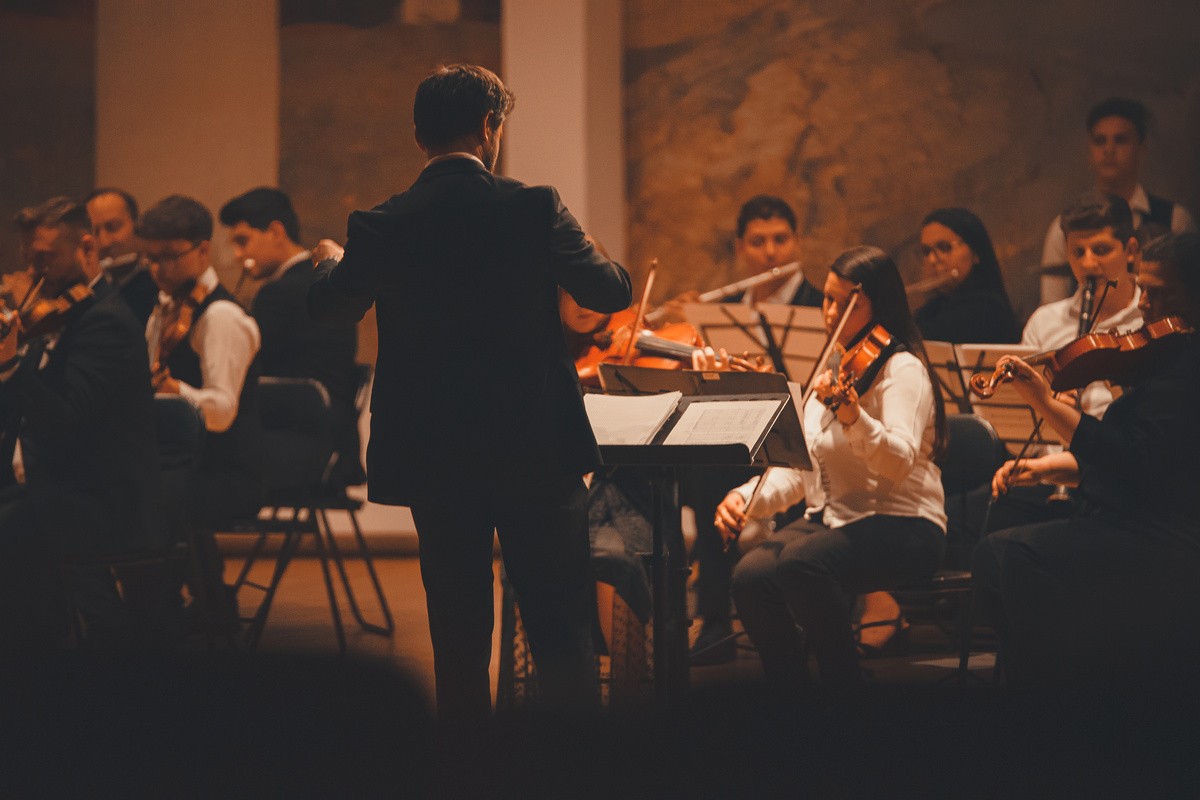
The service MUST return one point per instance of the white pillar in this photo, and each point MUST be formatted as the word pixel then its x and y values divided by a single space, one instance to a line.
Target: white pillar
pixel 187 100
pixel 563 60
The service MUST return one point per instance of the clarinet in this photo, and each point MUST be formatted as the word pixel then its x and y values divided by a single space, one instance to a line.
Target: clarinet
pixel 1062 493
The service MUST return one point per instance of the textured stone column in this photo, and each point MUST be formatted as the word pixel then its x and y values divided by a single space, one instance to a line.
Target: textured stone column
pixel 563 59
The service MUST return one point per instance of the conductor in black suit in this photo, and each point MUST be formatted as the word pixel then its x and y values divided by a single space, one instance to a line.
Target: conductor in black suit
pixel 477 416
pixel 78 427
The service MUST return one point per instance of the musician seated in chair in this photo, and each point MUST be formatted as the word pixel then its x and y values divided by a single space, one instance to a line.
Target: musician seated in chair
pixel 202 346
pixel 77 443
pixel 1101 249
pixel 876 518
pixel 264 231
pixel 1110 594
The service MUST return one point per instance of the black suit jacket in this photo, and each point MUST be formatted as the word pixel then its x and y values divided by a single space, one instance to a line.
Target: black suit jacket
pixel 87 432
pixel 293 346
pixel 473 380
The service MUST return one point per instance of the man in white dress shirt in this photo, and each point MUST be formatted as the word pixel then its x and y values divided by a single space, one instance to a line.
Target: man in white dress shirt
pixel 213 365
pixel 1116 149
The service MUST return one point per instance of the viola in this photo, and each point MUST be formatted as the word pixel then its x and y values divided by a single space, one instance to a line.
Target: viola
pixel 178 322
pixel 850 368
pixel 1095 357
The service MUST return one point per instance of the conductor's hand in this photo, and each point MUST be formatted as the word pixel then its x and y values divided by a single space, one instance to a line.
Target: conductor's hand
pixel 672 310
pixel 730 516
pixel 326 249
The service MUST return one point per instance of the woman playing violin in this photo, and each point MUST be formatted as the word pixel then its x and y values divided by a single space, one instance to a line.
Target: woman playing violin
pixel 876 517
pixel 1100 595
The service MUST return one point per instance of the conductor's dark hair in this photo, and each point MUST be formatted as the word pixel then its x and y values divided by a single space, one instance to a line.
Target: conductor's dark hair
pixel 876 272
pixel 176 217
pixel 1095 211
pixel 455 99
pixel 1123 107
pixel 52 213
pixel 131 204
pixel 765 206
pixel 259 207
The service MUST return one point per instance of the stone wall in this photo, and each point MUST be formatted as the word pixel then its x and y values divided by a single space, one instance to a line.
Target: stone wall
pixel 346 129
pixel 867 115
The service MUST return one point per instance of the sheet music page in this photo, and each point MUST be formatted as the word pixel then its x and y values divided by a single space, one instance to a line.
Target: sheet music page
pixel 723 422
pixel 620 419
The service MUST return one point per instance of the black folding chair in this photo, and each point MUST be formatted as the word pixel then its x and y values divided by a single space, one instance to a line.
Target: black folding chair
pixel 298 455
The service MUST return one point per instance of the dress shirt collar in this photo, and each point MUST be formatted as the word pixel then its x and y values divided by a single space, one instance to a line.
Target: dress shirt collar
pixel 303 255
pixel 208 279
pixel 1139 201
pixel 448 156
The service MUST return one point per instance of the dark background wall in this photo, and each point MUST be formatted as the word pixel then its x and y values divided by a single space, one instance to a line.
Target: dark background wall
pixel 867 115
pixel 47 93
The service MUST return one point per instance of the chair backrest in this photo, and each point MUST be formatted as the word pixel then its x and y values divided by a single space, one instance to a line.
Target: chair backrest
pixel 180 427
pixel 972 454
pixel 297 438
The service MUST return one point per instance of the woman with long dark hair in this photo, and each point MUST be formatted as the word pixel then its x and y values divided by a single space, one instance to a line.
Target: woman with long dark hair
pixel 971 305
pixel 876 518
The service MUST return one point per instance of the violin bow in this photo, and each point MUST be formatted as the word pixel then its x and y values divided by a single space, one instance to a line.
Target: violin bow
pixel 818 368
pixel 637 320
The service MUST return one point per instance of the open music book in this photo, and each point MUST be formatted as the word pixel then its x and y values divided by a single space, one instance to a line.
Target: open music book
pixel 623 419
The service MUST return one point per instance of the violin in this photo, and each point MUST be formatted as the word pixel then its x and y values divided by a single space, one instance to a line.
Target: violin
pixel 1095 357
pixel 850 368
pixel 668 347
pixel 178 322
pixel 43 315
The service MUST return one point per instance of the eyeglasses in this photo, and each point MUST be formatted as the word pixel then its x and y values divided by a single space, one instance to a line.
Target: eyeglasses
pixel 170 259
pixel 943 247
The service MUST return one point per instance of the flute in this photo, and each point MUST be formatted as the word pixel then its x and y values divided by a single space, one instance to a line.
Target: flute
pixel 654 317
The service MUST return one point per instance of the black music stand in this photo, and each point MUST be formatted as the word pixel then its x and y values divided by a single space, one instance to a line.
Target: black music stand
pixel 779 442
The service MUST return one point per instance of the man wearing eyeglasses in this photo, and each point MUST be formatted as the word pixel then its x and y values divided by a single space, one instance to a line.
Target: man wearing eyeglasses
pixel 213 364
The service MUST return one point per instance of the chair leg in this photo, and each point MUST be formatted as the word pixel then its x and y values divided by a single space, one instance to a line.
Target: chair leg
pixel 389 625
pixel 259 621
pixel 255 552
pixel 323 555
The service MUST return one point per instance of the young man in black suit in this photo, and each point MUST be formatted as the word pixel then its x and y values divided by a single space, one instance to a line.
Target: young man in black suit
pixel 264 232
pixel 478 421
pixel 78 428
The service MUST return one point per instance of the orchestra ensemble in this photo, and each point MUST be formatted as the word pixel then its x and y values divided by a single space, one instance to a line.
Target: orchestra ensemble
pixel 494 309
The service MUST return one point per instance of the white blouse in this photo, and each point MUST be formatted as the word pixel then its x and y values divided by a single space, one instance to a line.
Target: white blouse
pixel 879 465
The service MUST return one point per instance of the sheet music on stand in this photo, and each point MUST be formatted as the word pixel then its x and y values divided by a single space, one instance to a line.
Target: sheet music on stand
pixel 798 330
pixel 1006 410
pixel 943 357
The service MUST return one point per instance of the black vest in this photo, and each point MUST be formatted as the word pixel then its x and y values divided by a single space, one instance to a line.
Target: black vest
pixel 234 450
pixel 1161 211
